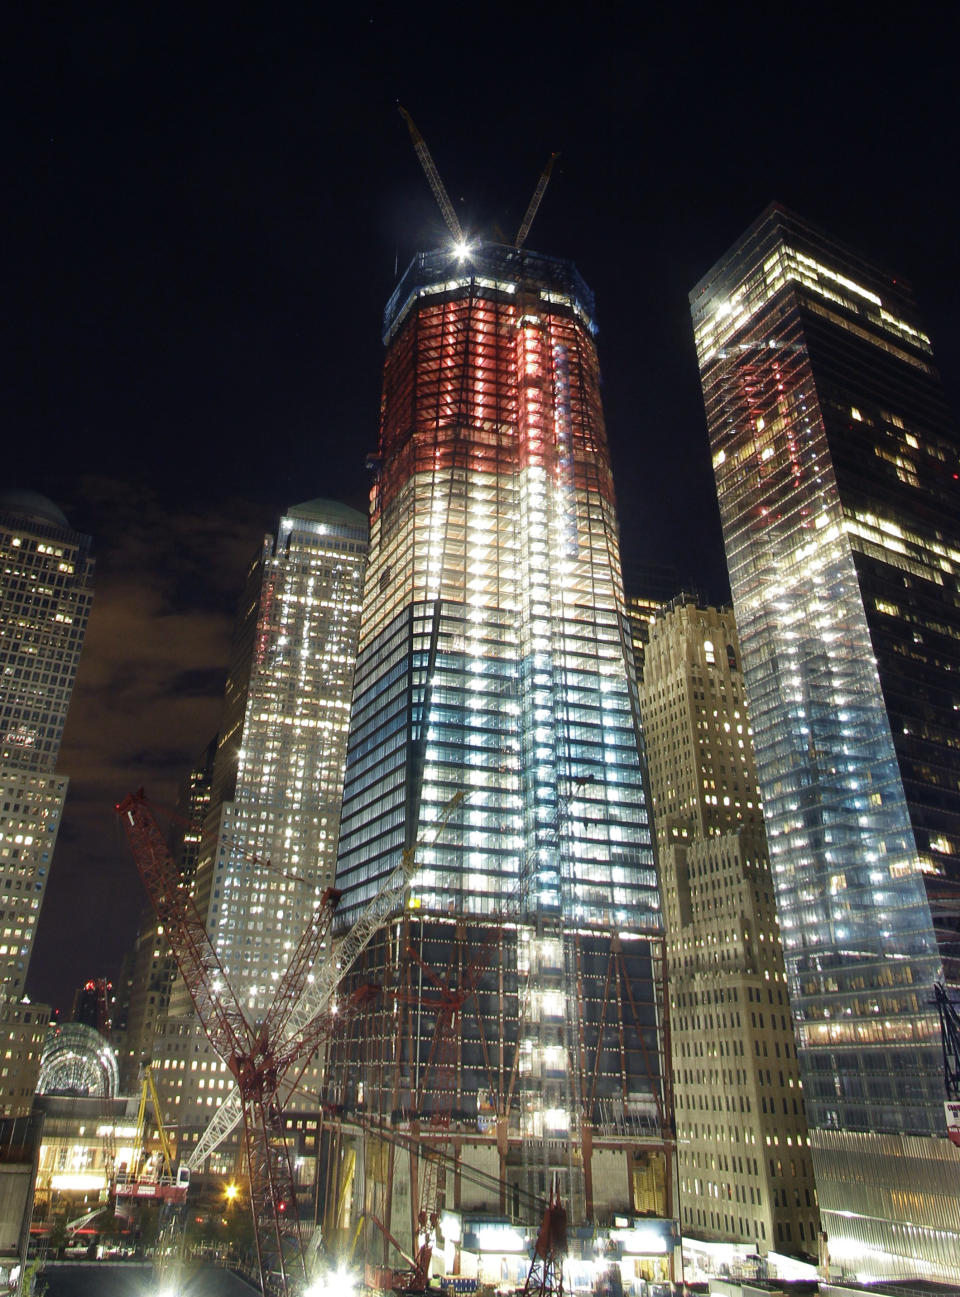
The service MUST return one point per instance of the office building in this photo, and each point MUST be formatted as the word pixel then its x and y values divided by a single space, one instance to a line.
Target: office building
pixel 23 1033
pixel 274 792
pixel 743 1149
pixel 150 970
pixel 46 588
pixel 838 475
pixel 494 662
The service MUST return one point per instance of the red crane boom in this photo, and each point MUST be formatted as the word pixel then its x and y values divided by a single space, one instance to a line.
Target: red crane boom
pixel 258 1055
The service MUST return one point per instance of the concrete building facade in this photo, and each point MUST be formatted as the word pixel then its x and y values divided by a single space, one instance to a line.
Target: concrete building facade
pixel 46 589
pixel 743 1147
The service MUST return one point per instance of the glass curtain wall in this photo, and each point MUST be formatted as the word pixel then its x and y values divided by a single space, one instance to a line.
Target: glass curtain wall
pixel 494 648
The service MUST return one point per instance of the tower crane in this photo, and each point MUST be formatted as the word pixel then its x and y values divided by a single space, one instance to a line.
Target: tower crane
pixel 534 204
pixel 261 1055
pixel 443 198
pixel 433 175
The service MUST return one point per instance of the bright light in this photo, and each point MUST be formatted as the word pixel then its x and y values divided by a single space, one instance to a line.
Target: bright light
pixel 461 250
pixel 230 1192
pixel 499 1238
pixel 450 1227
pixel 76 1183
pixel 333 1283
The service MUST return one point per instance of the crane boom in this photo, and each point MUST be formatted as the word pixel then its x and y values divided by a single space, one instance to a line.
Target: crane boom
pixel 534 203
pixel 433 175
pixel 197 959
pixel 260 1055
pixel 317 995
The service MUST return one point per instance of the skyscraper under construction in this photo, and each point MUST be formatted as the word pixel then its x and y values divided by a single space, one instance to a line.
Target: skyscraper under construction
pixel 494 738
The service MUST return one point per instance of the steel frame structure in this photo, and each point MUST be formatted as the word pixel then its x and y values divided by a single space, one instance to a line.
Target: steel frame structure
pixel 265 1057
pixel 442 1063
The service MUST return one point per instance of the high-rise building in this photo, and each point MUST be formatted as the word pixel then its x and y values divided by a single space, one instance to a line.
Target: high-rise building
pixel 743 1148
pixel 495 663
pixel 150 970
pixel 93 1005
pixel 838 475
pixel 276 781
pixel 23 1034
pixel 46 588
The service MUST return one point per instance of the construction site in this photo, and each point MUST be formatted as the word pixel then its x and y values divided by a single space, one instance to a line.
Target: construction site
pixel 450 1069
pixel 500 1067
pixel 504 1099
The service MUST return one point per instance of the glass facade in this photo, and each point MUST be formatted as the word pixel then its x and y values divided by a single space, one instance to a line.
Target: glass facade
pixel 494 648
pixel 495 662
pixel 46 590
pixel 275 785
pixel 837 474
pixel 285 807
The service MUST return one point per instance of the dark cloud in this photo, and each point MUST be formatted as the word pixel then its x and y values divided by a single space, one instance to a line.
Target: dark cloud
pixel 200 683
pixel 147 701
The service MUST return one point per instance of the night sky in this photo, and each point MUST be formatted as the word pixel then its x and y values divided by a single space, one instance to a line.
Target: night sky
pixel 206 211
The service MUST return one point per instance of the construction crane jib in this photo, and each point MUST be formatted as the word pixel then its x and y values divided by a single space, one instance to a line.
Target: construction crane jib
pixel 534 203
pixel 318 994
pixel 263 1056
pixel 433 175
pixel 443 198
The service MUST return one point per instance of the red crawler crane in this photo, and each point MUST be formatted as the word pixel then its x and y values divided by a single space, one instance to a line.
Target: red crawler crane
pixel 265 1059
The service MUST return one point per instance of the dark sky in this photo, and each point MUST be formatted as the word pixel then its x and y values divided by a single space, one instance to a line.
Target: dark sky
pixel 203 218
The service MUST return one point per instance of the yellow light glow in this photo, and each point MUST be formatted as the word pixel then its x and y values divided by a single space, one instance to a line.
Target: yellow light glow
pixel 76 1183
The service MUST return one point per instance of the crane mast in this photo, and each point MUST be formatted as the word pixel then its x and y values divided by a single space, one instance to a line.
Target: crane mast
pixel 261 1055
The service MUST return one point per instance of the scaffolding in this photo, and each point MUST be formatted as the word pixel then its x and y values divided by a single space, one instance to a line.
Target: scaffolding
pixel 484 1087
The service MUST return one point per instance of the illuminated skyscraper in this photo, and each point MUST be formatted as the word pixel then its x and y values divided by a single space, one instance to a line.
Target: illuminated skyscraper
pixel 46 589
pixel 494 649
pixel 743 1156
pixel 277 779
pixel 838 475
pixel 150 970
pixel 494 662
